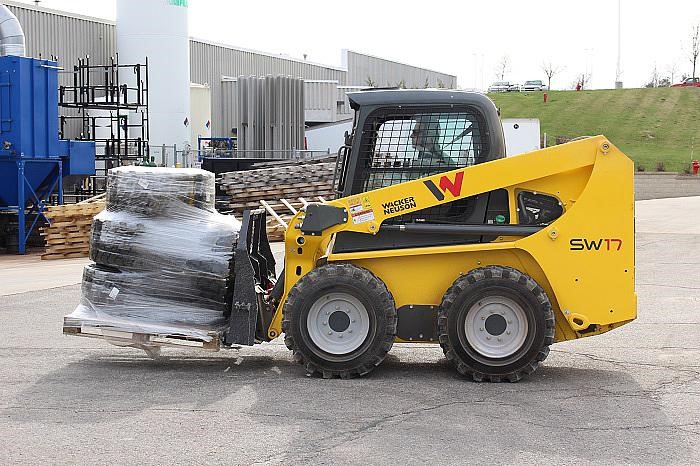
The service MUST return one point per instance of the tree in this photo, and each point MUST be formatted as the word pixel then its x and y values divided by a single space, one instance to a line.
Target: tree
pixel 503 67
pixel 370 83
pixel 427 83
pixel 672 70
pixel 694 46
pixel 583 79
pixel 441 85
pixel 549 71
pixel 654 82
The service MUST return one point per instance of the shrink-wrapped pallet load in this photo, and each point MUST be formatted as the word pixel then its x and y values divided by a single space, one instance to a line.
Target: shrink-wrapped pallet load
pixel 163 258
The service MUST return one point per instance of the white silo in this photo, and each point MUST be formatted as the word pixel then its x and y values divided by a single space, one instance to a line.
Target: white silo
pixel 158 29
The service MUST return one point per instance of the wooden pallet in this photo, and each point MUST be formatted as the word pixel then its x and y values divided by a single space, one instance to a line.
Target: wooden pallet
pixel 68 235
pixel 280 189
pixel 281 213
pixel 141 340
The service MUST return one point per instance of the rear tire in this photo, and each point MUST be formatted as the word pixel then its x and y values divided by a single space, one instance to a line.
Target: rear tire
pixel 496 324
pixel 339 321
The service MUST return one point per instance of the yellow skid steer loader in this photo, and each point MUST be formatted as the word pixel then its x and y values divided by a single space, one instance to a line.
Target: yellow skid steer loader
pixel 436 236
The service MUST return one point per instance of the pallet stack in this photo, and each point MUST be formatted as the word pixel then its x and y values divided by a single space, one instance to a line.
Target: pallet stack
pixel 68 235
pixel 283 188
pixel 162 272
pixel 245 189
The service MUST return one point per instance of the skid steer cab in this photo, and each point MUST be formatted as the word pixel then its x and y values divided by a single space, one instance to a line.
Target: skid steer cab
pixel 436 237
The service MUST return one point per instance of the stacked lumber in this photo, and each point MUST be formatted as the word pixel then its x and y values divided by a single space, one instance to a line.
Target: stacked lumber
pixel 68 235
pixel 245 189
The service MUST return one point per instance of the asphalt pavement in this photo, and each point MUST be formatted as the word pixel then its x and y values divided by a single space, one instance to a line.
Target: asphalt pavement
pixel 631 396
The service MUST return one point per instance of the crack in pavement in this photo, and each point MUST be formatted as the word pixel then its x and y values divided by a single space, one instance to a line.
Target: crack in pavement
pixel 173 410
pixel 308 453
pixel 624 364
pixel 373 426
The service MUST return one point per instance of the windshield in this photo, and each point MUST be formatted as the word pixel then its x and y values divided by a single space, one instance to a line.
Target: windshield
pixel 407 147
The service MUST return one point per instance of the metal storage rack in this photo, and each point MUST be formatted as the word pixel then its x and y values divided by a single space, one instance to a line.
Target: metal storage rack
pixel 112 96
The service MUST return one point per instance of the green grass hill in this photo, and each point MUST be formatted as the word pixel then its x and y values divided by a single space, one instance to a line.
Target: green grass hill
pixel 649 125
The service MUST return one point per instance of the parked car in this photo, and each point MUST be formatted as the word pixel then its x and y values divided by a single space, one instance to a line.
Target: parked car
pixel 535 85
pixel 514 88
pixel 499 86
pixel 688 82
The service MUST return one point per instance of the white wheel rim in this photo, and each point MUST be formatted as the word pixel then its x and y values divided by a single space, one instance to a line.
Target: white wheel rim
pixel 338 323
pixel 496 327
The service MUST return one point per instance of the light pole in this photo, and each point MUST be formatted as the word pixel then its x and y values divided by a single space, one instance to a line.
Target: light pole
pixel 618 70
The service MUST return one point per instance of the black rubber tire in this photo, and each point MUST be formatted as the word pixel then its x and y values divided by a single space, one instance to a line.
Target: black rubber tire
pixel 128 243
pixel 491 281
pixel 99 280
pixel 361 284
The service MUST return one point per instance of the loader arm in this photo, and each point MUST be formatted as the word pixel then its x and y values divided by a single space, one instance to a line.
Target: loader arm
pixel 591 178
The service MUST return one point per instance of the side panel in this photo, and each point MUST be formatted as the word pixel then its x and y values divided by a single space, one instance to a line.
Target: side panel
pixel 424 278
pixel 588 253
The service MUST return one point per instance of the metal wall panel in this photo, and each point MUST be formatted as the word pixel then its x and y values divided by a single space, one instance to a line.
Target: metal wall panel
pixel 320 100
pixel 66 36
pixel 385 73
pixel 270 116
pixel 70 36
pixel 210 62
pixel 344 111
pixel 229 113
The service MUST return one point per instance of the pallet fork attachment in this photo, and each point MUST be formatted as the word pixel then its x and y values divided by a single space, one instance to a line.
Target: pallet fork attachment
pixel 253 277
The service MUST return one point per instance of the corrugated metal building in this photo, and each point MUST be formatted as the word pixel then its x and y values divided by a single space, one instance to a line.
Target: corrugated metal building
pixel 71 36
pixel 366 69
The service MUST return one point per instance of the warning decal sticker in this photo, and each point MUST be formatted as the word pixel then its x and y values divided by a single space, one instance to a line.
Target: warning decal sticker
pixel 361 211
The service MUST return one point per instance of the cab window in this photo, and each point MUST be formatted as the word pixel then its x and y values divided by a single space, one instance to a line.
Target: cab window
pixel 403 146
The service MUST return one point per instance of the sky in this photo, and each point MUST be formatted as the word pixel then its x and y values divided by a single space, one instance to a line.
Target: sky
pixel 465 38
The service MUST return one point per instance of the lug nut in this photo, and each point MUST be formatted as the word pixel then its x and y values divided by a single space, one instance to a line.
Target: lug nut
pixel 325 323
pixel 330 333
pixel 507 332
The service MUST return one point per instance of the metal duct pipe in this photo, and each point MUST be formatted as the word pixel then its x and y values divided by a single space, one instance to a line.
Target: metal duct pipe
pixel 11 34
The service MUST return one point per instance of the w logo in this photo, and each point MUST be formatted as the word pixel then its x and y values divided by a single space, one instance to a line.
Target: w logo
pixel 445 185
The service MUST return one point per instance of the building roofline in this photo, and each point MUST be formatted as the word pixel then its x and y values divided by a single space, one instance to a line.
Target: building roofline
pixel 67 14
pixel 267 54
pixel 346 51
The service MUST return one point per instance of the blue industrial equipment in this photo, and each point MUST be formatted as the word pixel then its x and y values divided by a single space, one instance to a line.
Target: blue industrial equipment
pixel 230 144
pixel 33 161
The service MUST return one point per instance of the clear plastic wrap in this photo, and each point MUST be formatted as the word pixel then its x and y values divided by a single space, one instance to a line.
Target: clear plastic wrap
pixel 163 256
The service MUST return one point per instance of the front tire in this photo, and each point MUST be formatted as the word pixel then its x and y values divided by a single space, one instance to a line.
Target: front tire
pixel 339 321
pixel 496 324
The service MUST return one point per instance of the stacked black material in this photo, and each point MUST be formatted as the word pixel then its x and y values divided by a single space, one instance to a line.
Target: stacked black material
pixel 162 255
